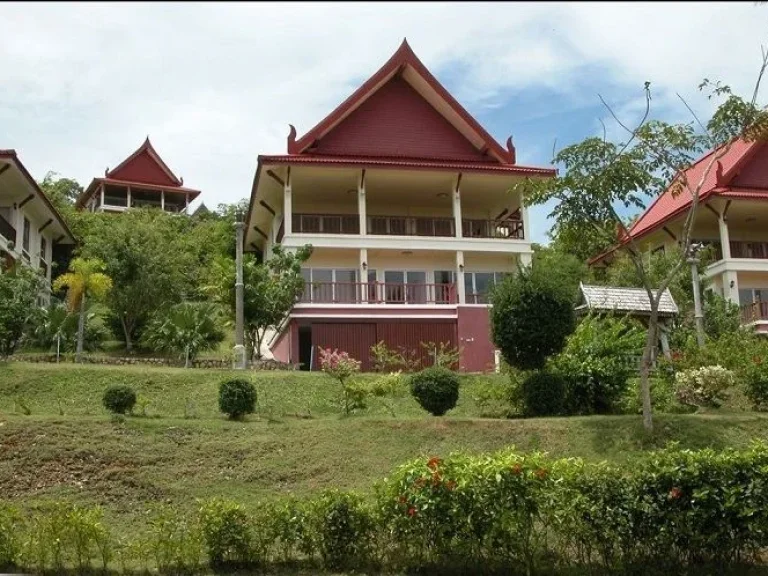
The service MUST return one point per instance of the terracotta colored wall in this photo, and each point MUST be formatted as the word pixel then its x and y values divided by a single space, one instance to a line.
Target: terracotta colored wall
pixel 281 350
pixel 397 122
pixel 143 169
pixel 474 330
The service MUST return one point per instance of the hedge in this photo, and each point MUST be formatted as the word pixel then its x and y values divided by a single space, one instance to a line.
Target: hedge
pixel 665 512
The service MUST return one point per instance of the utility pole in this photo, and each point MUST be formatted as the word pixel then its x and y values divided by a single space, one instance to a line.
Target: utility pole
pixel 239 363
pixel 693 260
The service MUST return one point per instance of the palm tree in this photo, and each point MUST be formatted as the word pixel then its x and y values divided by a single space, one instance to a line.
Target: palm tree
pixel 84 279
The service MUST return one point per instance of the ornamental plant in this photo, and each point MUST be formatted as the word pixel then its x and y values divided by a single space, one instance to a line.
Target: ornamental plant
pixel 435 389
pixel 705 386
pixel 341 366
pixel 237 397
pixel 119 399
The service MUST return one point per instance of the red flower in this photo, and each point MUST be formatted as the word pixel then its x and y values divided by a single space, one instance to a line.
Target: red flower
pixel 675 493
pixel 433 463
pixel 676 355
pixel 411 511
pixel 541 473
pixel 517 469
pixel 450 485
pixel 402 500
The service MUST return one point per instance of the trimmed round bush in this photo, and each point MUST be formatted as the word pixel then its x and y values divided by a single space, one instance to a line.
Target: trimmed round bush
pixel 237 397
pixel 435 389
pixel 119 399
pixel 543 394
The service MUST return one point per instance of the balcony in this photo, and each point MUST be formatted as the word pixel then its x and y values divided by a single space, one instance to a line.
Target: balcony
pixel 740 249
pixel 407 226
pixel 377 293
pixel 7 231
pixel 755 312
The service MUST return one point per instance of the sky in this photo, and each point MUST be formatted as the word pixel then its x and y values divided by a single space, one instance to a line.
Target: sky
pixel 216 84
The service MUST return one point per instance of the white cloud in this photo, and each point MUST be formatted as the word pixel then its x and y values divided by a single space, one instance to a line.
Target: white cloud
pixel 216 84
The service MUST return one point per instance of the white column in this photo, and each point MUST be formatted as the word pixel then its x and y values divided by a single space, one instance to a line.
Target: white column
pixel 102 197
pixel 525 259
pixel 524 214
pixel 128 198
pixel 457 208
pixel 287 205
pixel 725 238
pixel 731 292
pixel 462 297
pixel 363 275
pixel 186 205
pixel 162 200
pixel 361 206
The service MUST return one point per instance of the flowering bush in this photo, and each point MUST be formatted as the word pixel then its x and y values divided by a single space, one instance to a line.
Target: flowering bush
pixel 341 366
pixel 705 386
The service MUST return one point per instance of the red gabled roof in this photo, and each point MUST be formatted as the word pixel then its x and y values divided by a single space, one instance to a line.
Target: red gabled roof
pixel 388 117
pixel 144 166
pixel 717 182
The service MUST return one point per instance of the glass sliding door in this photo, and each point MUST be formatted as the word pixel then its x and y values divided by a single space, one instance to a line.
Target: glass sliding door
pixel 345 287
pixel 443 288
pixel 416 287
pixel 394 286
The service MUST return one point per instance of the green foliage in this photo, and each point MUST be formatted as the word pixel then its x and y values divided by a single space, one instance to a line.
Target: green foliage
pixel 57 325
pixel 10 520
pixel 721 316
pixel 443 354
pixel 227 533
pixel 119 399
pixel 597 361
pixel 237 397
pixel 341 366
pixel 185 330
pixel 62 192
pixel 174 541
pixel 270 290
pixel 19 288
pixel 436 390
pixel 345 530
pixel 543 393
pixel 531 317
pixel 386 359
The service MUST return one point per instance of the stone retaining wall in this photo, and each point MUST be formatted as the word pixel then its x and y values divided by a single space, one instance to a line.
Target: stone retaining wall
pixel 220 364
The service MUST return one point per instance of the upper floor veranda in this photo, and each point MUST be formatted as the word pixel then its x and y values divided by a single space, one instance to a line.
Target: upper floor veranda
pixel 350 207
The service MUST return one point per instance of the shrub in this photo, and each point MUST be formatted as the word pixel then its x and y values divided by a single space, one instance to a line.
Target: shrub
pixel 341 366
pixel 10 520
pixel 598 360
pixel 174 541
pixel 227 533
pixel 237 397
pixel 435 389
pixel 345 529
pixel 543 394
pixel 119 399
pixel 705 386
pixel 443 354
pixel 531 317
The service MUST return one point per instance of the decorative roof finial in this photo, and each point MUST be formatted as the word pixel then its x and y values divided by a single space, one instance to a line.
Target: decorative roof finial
pixel 292 140
pixel 719 173
pixel 106 171
pixel 181 180
pixel 511 150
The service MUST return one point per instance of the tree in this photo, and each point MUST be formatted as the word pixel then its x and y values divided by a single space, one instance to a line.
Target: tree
pixel 186 329
pixel 19 287
pixel 583 245
pixel 270 290
pixel 146 253
pixel 62 192
pixel 531 317
pixel 84 280
pixel 600 176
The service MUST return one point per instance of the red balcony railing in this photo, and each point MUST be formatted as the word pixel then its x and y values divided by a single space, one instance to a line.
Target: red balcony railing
pixel 326 223
pixel 411 226
pixel 754 312
pixel 377 293
pixel 740 249
pixel 493 229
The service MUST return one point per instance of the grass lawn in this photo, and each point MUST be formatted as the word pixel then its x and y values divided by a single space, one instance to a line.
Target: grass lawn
pixel 298 444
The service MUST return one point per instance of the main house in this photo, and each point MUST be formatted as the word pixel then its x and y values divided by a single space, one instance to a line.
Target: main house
pixel 30 227
pixel 142 179
pixel 732 217
pixel 406 200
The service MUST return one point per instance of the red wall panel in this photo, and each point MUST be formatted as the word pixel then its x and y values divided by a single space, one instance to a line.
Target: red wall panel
pixel 474 330
pixel 755 173
pixel 354 338
pixel 410 335
pixel 145 170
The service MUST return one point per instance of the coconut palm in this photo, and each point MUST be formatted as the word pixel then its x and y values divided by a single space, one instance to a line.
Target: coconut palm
pixel 85 279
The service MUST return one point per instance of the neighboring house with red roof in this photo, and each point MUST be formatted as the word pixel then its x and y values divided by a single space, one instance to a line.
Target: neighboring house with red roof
pixel 30 227
pixel 405 198
pixel 732 217
pixel 142 179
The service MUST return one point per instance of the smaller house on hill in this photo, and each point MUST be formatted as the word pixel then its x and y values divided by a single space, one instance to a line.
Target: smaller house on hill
pixel 632 302
pixel 142 179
